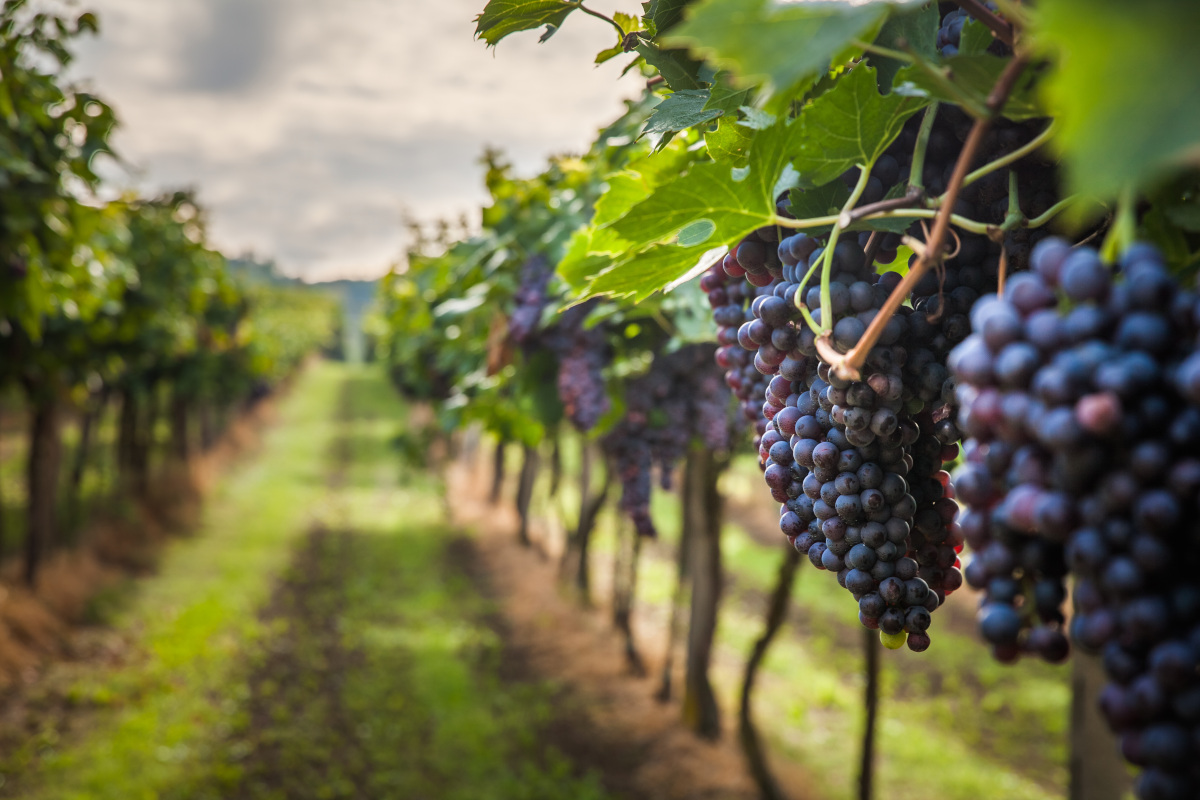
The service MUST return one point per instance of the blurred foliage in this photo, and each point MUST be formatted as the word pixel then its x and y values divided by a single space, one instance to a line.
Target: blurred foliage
pixel 780 91
pixel 442 317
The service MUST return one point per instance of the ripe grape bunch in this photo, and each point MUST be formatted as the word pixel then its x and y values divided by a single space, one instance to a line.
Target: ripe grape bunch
pixel 531 298
pixel 681 397
pixel 856 466
pixel 582 353
pixel 1080 395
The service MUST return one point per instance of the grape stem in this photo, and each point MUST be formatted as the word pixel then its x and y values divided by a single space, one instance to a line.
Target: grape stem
pixel 886 52
pixel 620 31
pixel 1001 29
pixel 966 223
pixel 873 243
pixel 1051 213
pixel 1123 231
pixel 1004 161
pixel 1014 218
pixel 916 176
pixel 864 175
pixel 850 365
pixel 891 204
pixel 915 192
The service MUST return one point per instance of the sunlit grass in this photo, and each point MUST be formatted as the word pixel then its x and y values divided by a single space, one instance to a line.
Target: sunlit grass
pixel 429 713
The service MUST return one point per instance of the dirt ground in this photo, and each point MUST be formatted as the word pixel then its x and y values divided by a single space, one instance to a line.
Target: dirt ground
pixel 609 719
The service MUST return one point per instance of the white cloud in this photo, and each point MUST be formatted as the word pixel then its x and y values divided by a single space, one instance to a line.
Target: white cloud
pixel 309 125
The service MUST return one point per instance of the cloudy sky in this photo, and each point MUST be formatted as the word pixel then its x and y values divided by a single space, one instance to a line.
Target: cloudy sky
pixel 310 127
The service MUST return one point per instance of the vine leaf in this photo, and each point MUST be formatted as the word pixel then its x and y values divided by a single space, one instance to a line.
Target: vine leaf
pixel 639 178
pixel 689 219
pixel 502 17
pixel 916 29
pixel 968 79
pixel 821 201
pixel 681 110
pixel 664 14
pixel 629 24
pixel 736 202
pixel 1124 88
pixel 786 46
pixel 679 70
pixel 641 275
pixel 725 97
pixel 590 251
pixel 730 142
pixel 851 124
pixel 976 38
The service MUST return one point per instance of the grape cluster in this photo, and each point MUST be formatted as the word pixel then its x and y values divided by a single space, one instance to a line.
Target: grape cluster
pixel 583 353
pixel 1077 391
pixel 681 397
pixel 531 298
pixel 730 294
pixel 856 466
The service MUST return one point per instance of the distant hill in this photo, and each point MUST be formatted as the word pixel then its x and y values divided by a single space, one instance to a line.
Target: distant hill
pixel 356 296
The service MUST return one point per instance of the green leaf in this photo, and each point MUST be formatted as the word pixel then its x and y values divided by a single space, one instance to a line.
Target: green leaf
pixel 1186 217
pixel 709 207
pixel 968 80
pixel 678 70
pixel 647 272
pixel 502 17
pixel 730 142
pixel 625 189
pixel 852 124
pixel 783 45
pixel 665 14
pixel 756 119
pixel 1157 227
pixel 820 201
pixel 627 23
pixel 724 97
pixel 635 183
pixel 697 232
pixel 679 111
pixel 894 224
pixel 591 250
pixel 610 53
pixel 1125 88
pixel 976 38
pixel 735 203
pixel 916 29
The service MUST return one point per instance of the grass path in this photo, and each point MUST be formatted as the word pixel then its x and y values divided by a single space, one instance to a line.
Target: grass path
pixel 316 639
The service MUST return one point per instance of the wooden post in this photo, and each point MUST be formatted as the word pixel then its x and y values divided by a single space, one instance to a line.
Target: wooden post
pixel 866 770
pixel 1098 771
pixel 677 598
pixel 625 570
pixel 575 558
pixel 751 743
pixel 702 513
pixel 180 439
pixel 497 471
pixel 87 425
pixel 529 468
pixel 45 454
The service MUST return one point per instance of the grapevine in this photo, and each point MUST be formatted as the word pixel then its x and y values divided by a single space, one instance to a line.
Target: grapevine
pixel 950 281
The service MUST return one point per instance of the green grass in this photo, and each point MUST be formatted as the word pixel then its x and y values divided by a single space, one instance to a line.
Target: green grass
pixel 191 618
pixel 420 712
